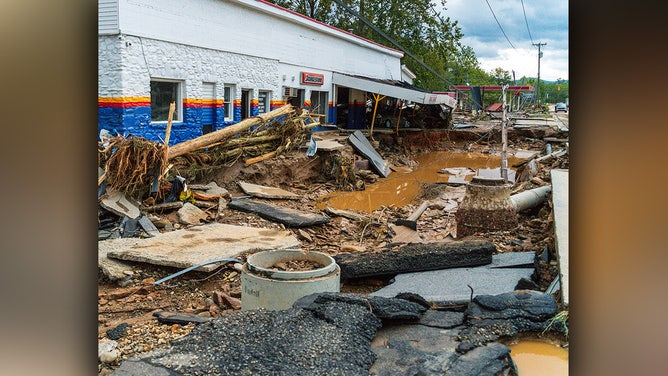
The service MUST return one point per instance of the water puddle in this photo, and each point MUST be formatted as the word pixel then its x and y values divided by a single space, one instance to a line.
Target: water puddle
pixel 534 357
pixel 403 185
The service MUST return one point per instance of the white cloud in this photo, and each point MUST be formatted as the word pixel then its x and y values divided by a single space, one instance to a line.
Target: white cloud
pixel 548 22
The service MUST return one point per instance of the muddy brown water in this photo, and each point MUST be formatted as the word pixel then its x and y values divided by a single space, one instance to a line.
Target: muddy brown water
pixel 403 185
pixel 535 357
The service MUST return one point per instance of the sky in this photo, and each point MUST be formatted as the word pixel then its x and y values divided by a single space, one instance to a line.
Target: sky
pixel 548 23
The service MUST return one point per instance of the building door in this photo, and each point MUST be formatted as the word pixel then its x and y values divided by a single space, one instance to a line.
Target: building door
pixel 319 104
pixel 208 107
pixel 245 103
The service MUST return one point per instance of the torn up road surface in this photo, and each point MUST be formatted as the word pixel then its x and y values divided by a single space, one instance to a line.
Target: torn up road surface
pixel 330 335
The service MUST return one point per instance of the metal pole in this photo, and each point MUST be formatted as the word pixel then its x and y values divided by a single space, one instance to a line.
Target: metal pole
pixel 504 139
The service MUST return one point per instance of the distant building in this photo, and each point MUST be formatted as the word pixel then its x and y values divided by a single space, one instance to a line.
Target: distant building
pixel 222 61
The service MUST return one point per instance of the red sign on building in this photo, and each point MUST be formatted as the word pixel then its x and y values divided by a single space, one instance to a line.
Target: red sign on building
pixel 312 78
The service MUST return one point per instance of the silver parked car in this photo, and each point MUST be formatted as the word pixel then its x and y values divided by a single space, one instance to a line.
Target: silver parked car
pixel 560 107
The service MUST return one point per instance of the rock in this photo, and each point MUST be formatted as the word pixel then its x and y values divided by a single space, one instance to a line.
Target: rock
pixel 105 345
pixel 110 356
pixel 117 332
pixel 190 214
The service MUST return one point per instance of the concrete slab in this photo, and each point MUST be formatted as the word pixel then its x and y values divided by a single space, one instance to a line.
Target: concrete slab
pixel 328 145
pixel 560 205
pixel 513 260
pixel 451 285
pixel 117 203
pixel 114 269
pixel 188 247
pixel 267 192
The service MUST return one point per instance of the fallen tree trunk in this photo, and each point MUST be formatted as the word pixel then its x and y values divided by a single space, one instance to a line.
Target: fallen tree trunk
pixel 415 257
pixel 216 136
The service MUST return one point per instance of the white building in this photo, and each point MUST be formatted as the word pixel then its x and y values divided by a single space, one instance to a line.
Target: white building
pixel 225 60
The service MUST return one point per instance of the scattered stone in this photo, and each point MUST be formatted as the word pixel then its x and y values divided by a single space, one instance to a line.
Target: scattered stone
pixel 110 356
pixel 117 332
pixel 105 345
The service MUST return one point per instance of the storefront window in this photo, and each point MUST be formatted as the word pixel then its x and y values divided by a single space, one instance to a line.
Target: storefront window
pixel 162 94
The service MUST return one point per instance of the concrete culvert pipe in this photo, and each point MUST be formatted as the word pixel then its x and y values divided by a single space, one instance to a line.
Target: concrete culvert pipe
pixel 531 198
pixel 264 286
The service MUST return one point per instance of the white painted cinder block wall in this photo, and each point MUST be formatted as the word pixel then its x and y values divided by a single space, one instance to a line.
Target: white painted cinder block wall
pixel 258 29
pixel 135 60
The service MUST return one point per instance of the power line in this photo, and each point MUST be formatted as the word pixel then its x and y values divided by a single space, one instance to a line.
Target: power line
pixel 394 42
pixel 497 22
pixel 527 22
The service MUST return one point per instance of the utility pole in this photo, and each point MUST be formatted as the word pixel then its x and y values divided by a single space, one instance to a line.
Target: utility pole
pixel 504 140
pixel 540 54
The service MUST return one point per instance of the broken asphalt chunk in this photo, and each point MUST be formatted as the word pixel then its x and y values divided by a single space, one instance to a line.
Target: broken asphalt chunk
pixel 286 216
pixel 170 317
pixel 414 257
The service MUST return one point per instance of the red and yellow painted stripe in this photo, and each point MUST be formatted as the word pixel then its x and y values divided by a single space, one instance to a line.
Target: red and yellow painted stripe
pixel 200 103
pixel 123 102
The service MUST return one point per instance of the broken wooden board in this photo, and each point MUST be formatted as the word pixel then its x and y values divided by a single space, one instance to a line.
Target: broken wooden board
pixel 363 146
pixel 286 216
pixel 117 203
pixel 403 234
pixel 267 192
pixel 415 257
pixel 187 247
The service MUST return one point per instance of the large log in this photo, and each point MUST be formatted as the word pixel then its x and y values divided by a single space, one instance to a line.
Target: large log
pixel 415 257
pixel 216 136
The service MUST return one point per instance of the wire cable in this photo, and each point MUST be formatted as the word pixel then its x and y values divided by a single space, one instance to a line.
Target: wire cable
pixel 525 21
pixel 497 22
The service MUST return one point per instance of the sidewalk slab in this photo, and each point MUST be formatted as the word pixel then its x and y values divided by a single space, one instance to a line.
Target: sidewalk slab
pixel 195 245
pixel 451 285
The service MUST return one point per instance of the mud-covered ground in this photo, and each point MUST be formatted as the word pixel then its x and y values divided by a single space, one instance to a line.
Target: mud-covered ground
pixel 312 178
